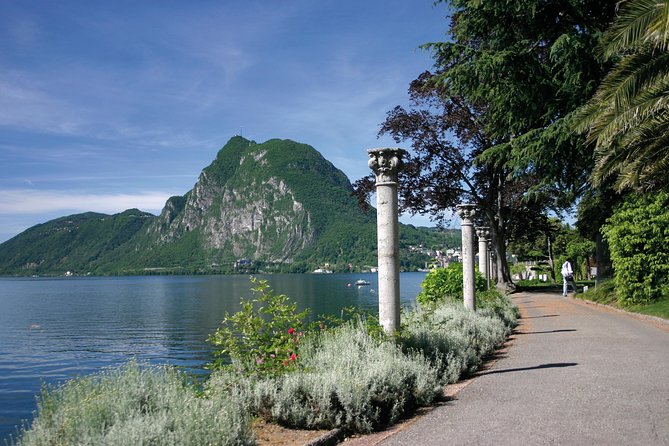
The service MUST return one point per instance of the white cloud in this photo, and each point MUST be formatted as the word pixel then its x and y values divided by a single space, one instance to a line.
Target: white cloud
pixel 24 201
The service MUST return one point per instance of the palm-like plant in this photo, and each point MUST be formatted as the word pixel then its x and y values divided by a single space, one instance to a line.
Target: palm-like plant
pixel 628 117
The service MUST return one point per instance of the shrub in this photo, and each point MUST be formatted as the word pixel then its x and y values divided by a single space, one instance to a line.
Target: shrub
pixel 443 283
pixel 638 237
pixel 264 337
pixel 493 303
pixel 349 379
pixel 357 378
pixel 135 405
pixel 453 338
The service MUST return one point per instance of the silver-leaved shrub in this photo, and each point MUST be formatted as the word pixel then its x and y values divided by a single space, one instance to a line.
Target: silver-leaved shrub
pixel 351 380
pixel 134 405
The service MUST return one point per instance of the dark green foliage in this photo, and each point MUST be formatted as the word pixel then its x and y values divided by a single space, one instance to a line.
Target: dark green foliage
pixel 638 236
pixel 446 284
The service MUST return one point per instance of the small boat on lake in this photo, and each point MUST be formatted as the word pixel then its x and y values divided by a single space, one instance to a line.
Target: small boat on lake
pixel 361 282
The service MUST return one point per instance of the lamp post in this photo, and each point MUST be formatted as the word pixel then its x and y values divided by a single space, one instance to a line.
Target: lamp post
pixel 386 164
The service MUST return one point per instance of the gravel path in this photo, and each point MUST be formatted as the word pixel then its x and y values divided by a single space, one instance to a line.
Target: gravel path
pixel 575 374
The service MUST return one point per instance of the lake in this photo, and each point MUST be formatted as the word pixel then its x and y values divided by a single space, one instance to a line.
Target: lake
pixel 53 329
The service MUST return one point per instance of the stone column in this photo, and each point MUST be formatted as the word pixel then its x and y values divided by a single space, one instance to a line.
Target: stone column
pixel 492 265
pixel 493 261
pixel 386 163
pixel 483 233
pixel 466 212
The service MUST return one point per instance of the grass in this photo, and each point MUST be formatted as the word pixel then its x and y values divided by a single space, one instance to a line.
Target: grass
pixel 605 294
pixel 659 308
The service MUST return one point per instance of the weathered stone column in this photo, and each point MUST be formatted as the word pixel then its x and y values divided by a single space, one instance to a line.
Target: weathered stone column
pixel 493 262
pixel 386 163
pixel 492 265
pixel 483 233
pixel 466 212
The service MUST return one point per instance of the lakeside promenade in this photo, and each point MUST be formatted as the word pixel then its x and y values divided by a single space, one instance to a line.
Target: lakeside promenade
pixel 575 373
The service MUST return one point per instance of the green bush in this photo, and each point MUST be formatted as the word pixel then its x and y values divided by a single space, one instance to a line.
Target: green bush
pixel 638 237
pixel 442 283
pixel 264 337
pixel 133 405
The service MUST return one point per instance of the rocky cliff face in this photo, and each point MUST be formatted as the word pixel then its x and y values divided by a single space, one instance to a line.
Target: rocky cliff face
pixel 258 220
pixel 251 203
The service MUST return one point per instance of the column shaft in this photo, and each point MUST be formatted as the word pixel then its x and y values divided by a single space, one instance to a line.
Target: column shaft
pixel 388 257
pixel 386 163
pixel 467 212
pixel 468 286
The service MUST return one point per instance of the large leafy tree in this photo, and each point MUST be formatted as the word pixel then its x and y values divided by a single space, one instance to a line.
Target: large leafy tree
pixel 528 64
pixel 492 123
pixel 628 118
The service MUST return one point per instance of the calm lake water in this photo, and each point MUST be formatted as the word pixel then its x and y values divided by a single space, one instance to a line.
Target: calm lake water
pixel 55 329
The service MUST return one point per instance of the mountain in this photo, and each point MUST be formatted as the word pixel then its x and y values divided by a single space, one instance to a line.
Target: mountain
pixel 279 206
pixel 69 243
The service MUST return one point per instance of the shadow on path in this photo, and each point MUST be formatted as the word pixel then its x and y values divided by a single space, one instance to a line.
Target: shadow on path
pixel 545 315
pixel 523 369
pixel 564 330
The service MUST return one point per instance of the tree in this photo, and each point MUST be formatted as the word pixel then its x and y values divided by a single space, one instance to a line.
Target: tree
pixel 628 118
pixel 489 123
pixel 528 65
pixel 540 244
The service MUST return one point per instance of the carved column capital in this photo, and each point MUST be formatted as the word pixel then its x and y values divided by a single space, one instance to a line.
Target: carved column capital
pixel 483 232
pixel 386 163
pixel 466 211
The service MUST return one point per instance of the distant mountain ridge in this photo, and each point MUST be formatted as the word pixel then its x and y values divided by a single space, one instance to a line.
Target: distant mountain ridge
pixel 278 205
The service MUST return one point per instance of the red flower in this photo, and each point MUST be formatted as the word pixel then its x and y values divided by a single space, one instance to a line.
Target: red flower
pixel 291 331
pixel 293 357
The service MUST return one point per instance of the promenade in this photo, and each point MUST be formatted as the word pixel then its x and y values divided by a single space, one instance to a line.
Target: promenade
pixel 574 373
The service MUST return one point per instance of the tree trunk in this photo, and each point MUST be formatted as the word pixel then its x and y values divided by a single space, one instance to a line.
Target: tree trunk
pixel 603 257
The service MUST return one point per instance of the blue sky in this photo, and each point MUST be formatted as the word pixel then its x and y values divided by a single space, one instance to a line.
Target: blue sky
pixel 111 105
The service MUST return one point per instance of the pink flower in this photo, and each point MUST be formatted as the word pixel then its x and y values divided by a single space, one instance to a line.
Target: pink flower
pixel 259 361
pixel 293 357
pixel 291 331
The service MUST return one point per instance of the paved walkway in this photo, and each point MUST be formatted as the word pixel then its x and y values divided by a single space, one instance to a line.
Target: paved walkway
pixel 575 374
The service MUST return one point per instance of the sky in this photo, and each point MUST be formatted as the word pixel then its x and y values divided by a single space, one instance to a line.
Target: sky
pixel 112 105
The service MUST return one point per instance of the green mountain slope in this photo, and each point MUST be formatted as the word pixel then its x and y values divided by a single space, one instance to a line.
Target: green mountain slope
pixel 278 206
pixel 69 243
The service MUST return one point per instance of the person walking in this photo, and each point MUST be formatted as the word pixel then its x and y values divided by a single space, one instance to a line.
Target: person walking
pixel 567 277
